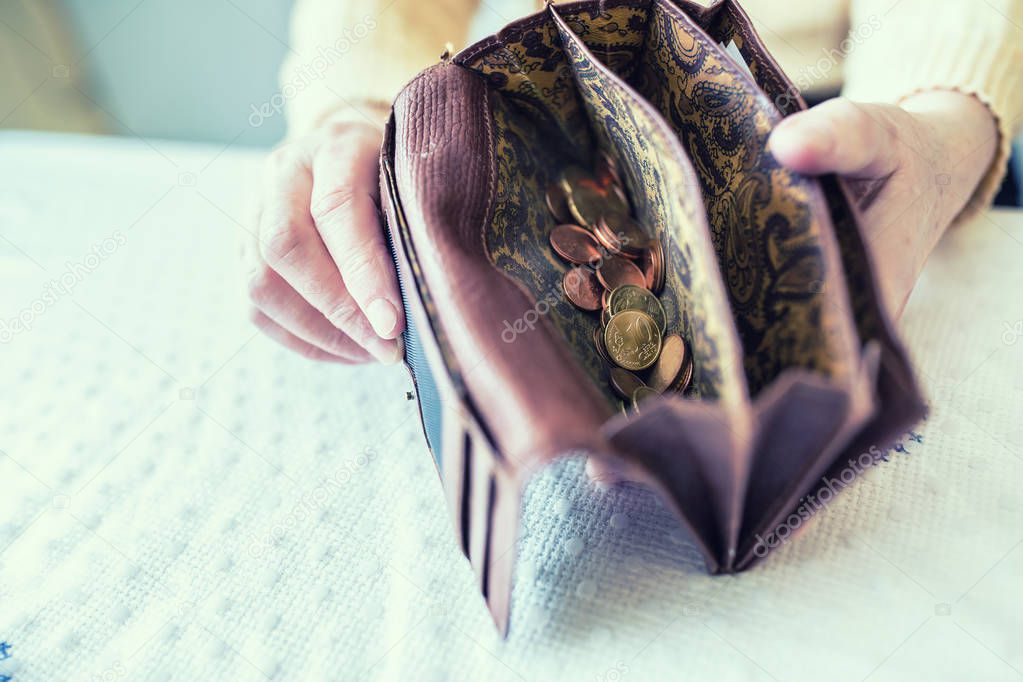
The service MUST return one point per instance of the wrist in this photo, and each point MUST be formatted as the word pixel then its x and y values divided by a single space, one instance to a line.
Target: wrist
pixel 958 140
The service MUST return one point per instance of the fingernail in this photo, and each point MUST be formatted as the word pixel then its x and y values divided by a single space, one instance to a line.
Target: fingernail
pixel 383 316
pixel 385 351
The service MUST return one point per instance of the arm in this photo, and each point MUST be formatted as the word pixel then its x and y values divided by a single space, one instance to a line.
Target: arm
pixel 351 51
pixel 946 94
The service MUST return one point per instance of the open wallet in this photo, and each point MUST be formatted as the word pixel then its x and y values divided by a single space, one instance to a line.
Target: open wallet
pixel 795 368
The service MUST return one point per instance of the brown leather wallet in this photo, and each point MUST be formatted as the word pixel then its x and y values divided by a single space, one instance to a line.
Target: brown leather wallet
pixel 796 367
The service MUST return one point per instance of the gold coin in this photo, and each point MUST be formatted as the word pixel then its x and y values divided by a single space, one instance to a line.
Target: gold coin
pixel 598 342
pixel 557 203
pixel 587 203
pixel 642 394
pixel 632 339
pixel 671 364
pixel 624 382
pixel 574 176
pixel 631 297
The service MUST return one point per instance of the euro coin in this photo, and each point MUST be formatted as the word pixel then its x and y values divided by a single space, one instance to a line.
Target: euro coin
pixel 624 382
pixel 632 339
pixel 652 264
pixel 616 271
pixel 557 203
pixel 631 297
pixel 642 394
pixel 617 232
pixel 582 288
pixel 574 244
pixel 669 370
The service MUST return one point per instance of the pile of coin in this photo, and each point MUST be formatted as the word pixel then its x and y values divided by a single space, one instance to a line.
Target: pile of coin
pixel 619 272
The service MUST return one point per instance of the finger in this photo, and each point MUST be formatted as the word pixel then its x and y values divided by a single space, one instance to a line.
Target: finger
pixel 344 209
pixel 291 246
pixel 838 136
pixel 290 341
pixel 275 298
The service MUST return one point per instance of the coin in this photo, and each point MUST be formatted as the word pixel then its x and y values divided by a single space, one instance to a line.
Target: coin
pixel 623 381
pixel 605 299
pixel 575 176
pixel 557 203
pixel 598 342
pixel 605 316
pixel 617 232
pixel 671 364
pixel 632 339
pixel 652 264
pixel 587 203
pixel 616 271
pixel 686 377
pixel 607 170
pixel 582 288
pixel 631 297
pixel 642 394
pixel 574 244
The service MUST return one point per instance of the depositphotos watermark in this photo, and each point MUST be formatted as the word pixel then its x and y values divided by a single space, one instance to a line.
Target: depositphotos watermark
pixel 556 295
pixel 813 503
pixel 317 499
pixel 808 76
pixel 311 71
pixel 74 273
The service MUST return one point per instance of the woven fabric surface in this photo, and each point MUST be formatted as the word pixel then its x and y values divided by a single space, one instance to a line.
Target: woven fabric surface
pixel 181 499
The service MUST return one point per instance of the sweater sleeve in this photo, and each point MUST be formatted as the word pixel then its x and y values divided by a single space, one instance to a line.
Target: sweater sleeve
pixel 349 54
pixel 964 45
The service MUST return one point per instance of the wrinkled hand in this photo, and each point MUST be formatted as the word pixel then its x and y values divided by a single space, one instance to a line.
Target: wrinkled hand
pixel 912 167
pixel 321 277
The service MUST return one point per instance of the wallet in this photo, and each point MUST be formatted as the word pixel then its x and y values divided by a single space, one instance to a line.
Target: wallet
pixel 796 371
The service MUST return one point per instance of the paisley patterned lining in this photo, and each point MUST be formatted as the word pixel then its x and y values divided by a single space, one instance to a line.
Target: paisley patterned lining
pixel 784 284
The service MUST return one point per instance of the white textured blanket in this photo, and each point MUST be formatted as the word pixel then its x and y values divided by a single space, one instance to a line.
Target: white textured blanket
pixel 182 500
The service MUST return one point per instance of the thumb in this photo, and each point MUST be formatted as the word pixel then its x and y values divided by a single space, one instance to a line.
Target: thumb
pixel 839 136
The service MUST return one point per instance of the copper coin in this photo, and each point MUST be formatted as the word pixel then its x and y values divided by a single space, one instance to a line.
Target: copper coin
pixel 605 300
pixel 624 382
pixel 618 232
pixel 574 244
pixel 582 288
pixel 686 377
pixel 598 342
pixel 588 202
pixel 616 271
pixel 557 203
pixel 642 394
pixel 605 316
pixel 671 364
pixel 632 339
pixel 652 263
pixel 607 171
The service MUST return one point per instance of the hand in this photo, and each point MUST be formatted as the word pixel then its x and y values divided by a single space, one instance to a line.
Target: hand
pixel 913 168
pixel 321 277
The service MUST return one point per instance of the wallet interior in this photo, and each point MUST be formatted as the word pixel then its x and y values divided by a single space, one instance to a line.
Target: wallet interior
pixel 755 280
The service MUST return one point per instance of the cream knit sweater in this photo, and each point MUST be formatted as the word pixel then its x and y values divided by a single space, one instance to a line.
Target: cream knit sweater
pixel 345 52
